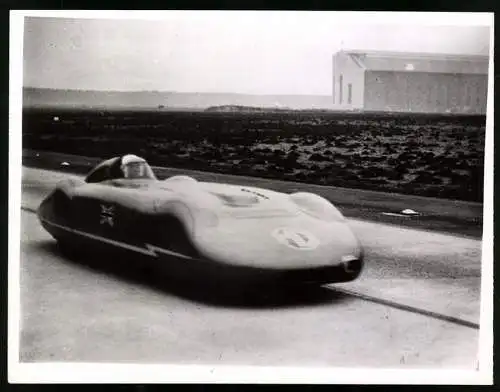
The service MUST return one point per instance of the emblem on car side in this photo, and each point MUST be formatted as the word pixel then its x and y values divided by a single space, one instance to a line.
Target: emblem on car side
pixel 296 239
pixel 107 215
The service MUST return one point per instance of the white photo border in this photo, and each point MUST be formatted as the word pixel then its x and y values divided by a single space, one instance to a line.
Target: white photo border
pixel 140 373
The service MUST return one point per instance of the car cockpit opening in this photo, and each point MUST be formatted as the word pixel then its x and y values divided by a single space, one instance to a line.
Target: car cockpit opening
pixel 128 166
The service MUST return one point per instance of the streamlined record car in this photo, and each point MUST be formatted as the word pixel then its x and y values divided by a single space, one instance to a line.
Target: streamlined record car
pixel 204 226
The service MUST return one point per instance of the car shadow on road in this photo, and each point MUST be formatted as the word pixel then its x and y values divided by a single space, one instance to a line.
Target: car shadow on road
pixel 142 271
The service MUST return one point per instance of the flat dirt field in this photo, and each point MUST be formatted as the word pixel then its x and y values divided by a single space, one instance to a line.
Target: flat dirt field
pixel 427 155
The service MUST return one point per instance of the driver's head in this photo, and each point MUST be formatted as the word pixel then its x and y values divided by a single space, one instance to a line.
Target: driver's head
pixel 133 166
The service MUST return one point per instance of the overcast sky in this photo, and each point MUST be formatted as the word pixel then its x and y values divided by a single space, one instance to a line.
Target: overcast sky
pixel 262 54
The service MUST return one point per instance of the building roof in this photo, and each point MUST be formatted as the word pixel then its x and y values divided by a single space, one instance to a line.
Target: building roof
pixel 420 62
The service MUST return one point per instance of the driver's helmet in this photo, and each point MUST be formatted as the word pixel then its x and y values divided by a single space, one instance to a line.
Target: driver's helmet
pixel 135 167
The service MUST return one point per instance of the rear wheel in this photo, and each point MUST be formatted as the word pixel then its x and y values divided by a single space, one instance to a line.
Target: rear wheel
pixel 70 248
pixel 65 247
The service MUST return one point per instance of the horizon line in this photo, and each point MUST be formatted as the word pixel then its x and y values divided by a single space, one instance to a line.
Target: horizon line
pixel 172 91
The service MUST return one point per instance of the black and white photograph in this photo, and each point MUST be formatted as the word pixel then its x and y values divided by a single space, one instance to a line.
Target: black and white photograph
pixel 251 197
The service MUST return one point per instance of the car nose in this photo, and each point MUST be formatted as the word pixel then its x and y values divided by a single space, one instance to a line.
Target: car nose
pixel 280 246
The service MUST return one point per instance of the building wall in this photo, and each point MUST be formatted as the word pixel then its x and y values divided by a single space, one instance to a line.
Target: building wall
pixel 425 92
pixel 347 73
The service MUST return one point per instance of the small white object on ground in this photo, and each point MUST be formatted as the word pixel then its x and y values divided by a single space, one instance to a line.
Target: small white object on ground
pixel 56 118
pixel 392 214
pixel 64 164
pixel 409 212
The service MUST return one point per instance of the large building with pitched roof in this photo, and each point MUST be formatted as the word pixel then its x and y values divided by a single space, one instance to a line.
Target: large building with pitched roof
pixel 410 82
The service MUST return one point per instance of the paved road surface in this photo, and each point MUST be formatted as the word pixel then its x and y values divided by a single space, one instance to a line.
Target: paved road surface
pixel 72 311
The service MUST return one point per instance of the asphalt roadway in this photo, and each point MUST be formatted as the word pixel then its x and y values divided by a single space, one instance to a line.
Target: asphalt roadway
pixel 415 305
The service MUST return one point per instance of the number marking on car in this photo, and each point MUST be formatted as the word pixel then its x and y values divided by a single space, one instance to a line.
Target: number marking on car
pixel 297 239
